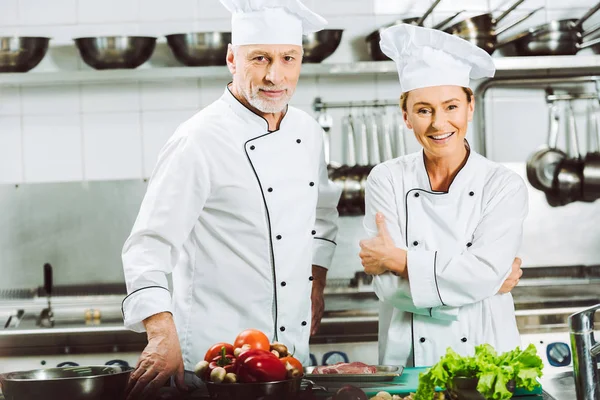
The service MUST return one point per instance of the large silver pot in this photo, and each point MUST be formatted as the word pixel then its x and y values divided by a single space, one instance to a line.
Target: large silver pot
pixel 482 30
pixel 374 37
pixel 558 37
pixel 72 383
pixel 200 48
pixel 115 52
pixel 21 54
pixel 320 45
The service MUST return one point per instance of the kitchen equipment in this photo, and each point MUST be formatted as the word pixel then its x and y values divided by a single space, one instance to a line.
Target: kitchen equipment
pixel 373 140
pixel 570 170
pixel 348 140
pixel 115 52
pixel 586 351
pixel 253 391
pixel 385 140
pixel 200 48
pixel 399 135
pixel 46 319
pixel 320 45
pixel 21 53
pixel 326 122
pixel 542 164
pixel 374 37
pixel 361 140
pixel 384 373
pixel 76 383
pixel 482 30
pixel 591 165
pixel 558 37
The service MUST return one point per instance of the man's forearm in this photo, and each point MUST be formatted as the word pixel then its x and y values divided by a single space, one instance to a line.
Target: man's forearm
pixel 160 323
pixel 319 276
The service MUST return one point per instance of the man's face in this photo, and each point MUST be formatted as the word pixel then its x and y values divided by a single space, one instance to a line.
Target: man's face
pixel 265 75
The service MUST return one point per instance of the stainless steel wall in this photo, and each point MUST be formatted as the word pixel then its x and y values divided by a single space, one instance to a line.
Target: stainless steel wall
pixel 80 229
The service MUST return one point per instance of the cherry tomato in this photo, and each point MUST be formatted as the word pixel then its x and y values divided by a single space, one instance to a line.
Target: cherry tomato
pixel 294 362
pixel 254 338
pixel 215 351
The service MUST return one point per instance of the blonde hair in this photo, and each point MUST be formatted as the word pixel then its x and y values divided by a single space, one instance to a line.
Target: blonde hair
pixel 404 97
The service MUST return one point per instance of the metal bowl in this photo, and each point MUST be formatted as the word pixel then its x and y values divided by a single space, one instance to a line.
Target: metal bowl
pixel 115 52
pixel 278 390
pixel 320 45
pixel 21 54
pixel 200 48
pixel 76 383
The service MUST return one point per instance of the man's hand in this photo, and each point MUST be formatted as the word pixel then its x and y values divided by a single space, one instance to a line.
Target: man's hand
pixel 317 297
pixel 379 254
pixel 160 360
pixel 513 278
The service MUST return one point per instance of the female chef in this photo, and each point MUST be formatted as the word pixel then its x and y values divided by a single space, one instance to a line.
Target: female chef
pixel 445 223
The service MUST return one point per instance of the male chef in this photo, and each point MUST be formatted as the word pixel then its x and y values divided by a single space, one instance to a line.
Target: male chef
pixel 239 209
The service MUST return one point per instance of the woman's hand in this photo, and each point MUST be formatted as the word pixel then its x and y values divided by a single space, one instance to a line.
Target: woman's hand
pixel 379 254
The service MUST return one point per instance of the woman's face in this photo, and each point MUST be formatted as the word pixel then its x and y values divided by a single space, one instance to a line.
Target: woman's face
pixel 439 116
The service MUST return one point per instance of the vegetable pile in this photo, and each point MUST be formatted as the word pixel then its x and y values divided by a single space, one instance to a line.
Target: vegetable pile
pixel 493 370
pixel 252 358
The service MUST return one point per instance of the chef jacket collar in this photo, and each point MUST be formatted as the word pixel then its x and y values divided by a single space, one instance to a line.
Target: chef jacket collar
pixel 458 185
pixel 247 114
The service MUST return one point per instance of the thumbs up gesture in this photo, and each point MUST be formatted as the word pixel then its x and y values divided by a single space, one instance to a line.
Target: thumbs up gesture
pixel 379 254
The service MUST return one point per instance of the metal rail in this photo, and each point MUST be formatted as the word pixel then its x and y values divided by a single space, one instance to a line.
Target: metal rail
pixel 319 105
pixel 482 89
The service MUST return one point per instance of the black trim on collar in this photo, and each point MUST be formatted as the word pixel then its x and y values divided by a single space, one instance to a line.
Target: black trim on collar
pixel 275 327
pixel 135 291
pixel 258 115
pixel 461 168
pixel 327 240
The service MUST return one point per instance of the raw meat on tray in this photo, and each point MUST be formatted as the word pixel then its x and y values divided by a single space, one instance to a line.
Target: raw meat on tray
pixel 354 368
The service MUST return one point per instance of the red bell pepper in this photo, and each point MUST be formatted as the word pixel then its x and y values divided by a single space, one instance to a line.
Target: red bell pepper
pixel 225 360
pixel 260 366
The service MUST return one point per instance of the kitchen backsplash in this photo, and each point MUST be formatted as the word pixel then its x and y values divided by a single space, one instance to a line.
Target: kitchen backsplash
pixel 113 131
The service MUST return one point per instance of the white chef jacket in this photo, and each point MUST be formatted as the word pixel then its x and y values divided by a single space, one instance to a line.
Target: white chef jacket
pixel 460 249
pixel 239 215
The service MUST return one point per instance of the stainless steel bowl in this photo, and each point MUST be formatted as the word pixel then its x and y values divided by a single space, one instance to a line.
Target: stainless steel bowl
pixel 287 389
pixel 74 383
pixel 115 52
pixel 320 45
pixel 21 54
pixel 200 48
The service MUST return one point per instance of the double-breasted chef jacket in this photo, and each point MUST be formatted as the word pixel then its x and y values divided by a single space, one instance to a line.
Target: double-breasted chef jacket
pixel 238 215
pixel 460 248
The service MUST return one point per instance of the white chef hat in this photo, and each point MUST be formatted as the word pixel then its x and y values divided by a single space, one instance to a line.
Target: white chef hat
pixel 429 57
pixel 271 21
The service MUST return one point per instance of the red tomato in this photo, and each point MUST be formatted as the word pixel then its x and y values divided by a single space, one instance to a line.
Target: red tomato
pixel 294 362
pixel 215 350
pixel 254 338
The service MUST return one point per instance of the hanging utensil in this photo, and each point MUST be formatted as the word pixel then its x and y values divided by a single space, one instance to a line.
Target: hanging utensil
pixel 400 139
pixel 46 318
pixel 448 20
pixel 542 165
pixel 362 140
pixel 348 141
pixel 385 140
pixel 374 37
pixel 591 163
pixel 326 122
pixel 374 155
pixel 569 173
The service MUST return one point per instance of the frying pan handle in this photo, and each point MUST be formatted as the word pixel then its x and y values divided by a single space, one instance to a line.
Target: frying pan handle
pixel 554 125
pixel 447 20
pixel 505 13
pixel 587 44
pixel 434 5
pixel 517 21
pixel 587 15
pixel 591 31
pixel 573 139
pixel 48 279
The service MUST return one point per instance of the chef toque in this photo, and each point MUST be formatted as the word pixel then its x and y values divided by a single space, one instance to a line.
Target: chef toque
pixel 271 21
pixel 429 57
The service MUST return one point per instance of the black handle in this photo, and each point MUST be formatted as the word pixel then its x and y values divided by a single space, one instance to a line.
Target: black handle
pixel 48 279
pixel 67 364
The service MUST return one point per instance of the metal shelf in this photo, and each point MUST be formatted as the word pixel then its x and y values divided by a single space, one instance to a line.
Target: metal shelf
pixel 506 67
